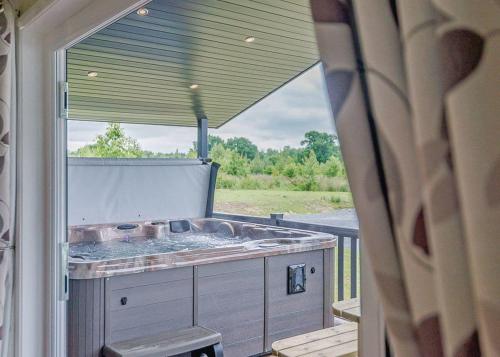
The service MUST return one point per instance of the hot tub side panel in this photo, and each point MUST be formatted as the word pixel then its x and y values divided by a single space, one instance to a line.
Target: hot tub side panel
pixel 231 301
pixel 145 304
pixel 294 314
pixel 86 310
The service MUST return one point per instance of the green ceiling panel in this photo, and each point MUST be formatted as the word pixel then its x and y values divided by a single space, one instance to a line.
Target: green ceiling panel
pixel 146 64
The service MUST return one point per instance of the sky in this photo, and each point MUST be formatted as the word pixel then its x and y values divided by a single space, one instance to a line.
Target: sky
pixel 280 119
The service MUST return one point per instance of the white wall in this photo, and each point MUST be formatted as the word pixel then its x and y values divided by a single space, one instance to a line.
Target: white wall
pixel 33 186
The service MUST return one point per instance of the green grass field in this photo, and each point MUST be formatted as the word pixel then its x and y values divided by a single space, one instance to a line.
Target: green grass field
pixel 265 202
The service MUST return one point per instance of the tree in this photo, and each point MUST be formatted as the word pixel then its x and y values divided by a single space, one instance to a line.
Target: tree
pixel 221 155
pixel 242 146
pixel 257 165
pixel 113 143
pixel 290 170
pixel 311 165
pixel 297 154
pixel 309 172
pixel 237 165
pixel 323 145
pixel 215 140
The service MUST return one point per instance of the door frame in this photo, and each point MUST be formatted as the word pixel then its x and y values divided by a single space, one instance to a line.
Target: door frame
pixel 45 31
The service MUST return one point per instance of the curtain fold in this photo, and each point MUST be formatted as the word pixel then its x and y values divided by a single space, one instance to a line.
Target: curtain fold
pixel 415 88
pixel 7 171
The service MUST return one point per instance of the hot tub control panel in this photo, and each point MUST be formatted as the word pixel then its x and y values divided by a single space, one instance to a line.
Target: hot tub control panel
pixel 296 278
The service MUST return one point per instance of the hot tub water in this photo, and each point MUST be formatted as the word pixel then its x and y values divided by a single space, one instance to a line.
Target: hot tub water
pixel 129 247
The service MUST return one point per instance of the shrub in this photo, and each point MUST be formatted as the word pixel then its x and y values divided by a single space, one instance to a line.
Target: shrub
pixel 224 181
pixel 335 199
pixel 290 170
pixel 268 170
pixel 237 165
pixel 281 183
pixel 257 165
pixel 250 183
pixel 306 183
pixel 344 187
pixel 311 165
pixel 332 184
pixel 333 167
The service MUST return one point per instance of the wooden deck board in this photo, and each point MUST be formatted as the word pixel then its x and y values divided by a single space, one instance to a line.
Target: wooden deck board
pixel 348 309
pixel 335 341
pixel 349 349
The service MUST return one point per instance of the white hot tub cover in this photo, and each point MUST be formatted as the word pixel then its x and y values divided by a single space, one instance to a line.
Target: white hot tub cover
pixel 127 190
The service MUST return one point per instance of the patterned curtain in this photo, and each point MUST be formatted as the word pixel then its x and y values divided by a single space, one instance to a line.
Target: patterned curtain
pixel 415 92
pixel 7 171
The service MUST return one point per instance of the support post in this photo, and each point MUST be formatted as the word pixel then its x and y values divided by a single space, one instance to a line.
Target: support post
pixel 354 268
pixel 202 144
pixel 276 217
pixel 340 274
pixel 211 189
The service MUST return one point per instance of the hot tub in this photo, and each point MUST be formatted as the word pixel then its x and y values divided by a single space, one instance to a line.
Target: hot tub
pixel 252 283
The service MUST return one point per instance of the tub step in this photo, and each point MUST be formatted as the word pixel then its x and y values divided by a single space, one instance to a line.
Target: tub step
pixel 171 343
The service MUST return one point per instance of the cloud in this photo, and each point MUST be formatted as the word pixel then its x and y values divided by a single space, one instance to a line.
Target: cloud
pixel 278 120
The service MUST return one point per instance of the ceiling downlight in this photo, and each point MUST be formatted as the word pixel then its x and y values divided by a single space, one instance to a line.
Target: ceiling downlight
pixel 143 11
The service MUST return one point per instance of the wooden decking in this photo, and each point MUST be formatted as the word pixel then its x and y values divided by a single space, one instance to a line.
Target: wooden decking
pixel 348 309
pixel 341 340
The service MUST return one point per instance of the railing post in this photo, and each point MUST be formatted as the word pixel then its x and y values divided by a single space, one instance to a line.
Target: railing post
pixel 354 267
pixel 276 218
pixel 340 275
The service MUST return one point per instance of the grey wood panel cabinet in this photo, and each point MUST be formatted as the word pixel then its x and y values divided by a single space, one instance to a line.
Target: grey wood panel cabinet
pixel 138 305
pixel 231 301
pixel 86 318
pixel 247 301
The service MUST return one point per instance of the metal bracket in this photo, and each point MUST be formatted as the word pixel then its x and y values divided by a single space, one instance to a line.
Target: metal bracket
pixel 64 271
pixel 63 100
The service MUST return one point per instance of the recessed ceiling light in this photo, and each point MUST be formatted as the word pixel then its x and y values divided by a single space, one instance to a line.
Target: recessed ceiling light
pixel 194 86
pixel 249 39
pixel 142 11
pixel 92 74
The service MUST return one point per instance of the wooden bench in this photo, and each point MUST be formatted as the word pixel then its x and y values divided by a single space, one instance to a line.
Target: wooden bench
pixel 196 338
pixel 338 341
pixel 348 309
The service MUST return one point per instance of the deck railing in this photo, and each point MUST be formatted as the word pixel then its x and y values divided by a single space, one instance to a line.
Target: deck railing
pixel 347 257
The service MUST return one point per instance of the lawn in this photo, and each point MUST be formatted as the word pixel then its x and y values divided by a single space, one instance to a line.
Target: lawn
pixel 265 202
